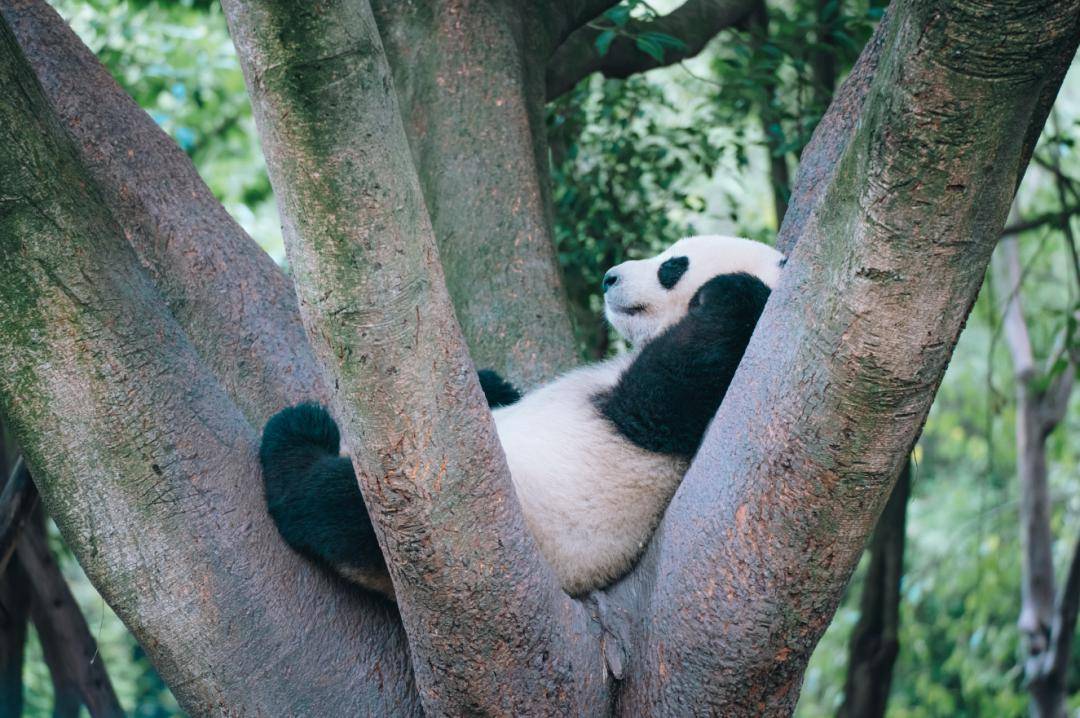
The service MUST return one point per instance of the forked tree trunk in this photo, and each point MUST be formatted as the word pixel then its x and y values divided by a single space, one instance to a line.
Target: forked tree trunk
pixel 141 432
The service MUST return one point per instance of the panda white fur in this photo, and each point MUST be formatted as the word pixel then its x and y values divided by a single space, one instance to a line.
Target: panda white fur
pixel 596 454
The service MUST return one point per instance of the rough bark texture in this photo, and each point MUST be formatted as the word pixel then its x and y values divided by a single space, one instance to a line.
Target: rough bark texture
pixel 846 359
pixel 489 629
pixel 78 673
pixel 235 306
pixel 695 22
pixel 145 464
pixel 469 77
pixel 1039 409
pixel 875 640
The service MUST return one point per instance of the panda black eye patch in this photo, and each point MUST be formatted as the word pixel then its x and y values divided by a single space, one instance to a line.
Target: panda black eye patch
pixel 671 271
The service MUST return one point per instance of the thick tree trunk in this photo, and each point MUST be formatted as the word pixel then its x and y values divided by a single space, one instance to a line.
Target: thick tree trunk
pixel 875 640
pixel 467 576
pixel 470 79
pixel 846 359
pixel 145 463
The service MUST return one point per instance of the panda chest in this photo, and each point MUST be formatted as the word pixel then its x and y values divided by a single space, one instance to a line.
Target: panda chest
pixel 572 470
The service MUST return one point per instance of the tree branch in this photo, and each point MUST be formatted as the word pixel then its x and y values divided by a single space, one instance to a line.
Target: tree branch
pixel 78 673
pixel 848 355
pixel 875 640
pixel 489 628
pixel 147 467
pixel 695 22
pixel 17 500
pixel 1055 218
pixel 1064 627
pixel 573 14
pixel 236 307
pixel 469 78
pixel 14 608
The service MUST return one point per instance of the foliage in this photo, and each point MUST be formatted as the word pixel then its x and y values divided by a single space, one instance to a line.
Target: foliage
pixel 620 167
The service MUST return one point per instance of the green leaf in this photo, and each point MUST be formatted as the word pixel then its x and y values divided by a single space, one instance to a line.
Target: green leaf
pixel 650 47
pixel 603 41
pixel 620 15
pixel 665 40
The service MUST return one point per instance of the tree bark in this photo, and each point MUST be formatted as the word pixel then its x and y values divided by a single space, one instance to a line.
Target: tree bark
pixel 469 78
pixel 875 640
pixel 846 359
pixel 490 631
pixel 148 467
pixel 235 306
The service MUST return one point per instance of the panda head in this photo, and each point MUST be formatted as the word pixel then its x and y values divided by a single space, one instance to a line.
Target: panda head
pixel 644 297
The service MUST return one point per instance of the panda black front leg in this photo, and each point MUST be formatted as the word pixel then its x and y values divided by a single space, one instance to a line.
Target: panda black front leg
pixel 666 398
pixel 314 498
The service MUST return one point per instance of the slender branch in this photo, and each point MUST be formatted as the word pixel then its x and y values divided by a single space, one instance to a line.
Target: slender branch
pixel 487 623
pixel 1055 218
pixel 78 673
pixel 847 357
pixel 574 14
pixel 17 501
pixel 1064 628
pixel 695 22
pixel 1014 324
pixel 146 465
pixel 875 640
pixel 1036 540
pixel 14 608
pixel 236 307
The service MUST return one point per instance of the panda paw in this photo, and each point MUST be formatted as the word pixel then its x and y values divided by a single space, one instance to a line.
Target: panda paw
pixel 497 390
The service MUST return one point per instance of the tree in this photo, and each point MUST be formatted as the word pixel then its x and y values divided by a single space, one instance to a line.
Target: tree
pixel 1047 619
pixel 149 339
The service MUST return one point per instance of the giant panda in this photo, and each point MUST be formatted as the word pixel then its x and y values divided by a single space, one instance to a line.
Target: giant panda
pixel 594 455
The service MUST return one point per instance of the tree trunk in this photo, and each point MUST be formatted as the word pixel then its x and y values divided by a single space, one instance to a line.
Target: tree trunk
pixel 1039 410
pixel 470 80
pixel 147 465
pixel 875 641
pixel 141 435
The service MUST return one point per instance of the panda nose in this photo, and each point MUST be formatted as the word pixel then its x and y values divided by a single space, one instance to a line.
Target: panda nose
pixel 610 280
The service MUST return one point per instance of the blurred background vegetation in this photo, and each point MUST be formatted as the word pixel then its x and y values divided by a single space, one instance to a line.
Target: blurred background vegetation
pixel 709 145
